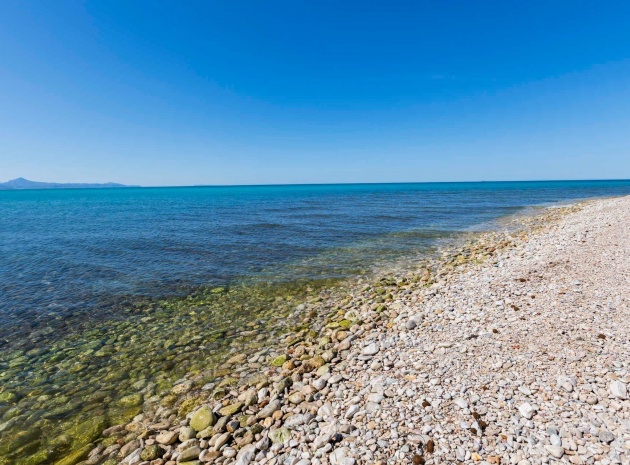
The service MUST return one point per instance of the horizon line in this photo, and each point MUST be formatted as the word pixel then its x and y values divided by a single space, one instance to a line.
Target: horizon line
pixel 300 184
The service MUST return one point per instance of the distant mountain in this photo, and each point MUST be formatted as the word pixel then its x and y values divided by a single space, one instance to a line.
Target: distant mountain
pixel 21 183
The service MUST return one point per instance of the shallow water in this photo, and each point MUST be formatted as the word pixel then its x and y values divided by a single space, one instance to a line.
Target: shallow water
pixel 86 252
pixel 83 276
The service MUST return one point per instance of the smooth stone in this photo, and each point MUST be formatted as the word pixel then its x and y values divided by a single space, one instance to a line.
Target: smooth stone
pixel 352 411
pixel 209 455
pixel 269 409
pixel 325 436
pixel 231 409
pixel 565 383
pixel 202 418
pixel 187 444
pixel 323 370
pixel 335 379
pixel 129 448
pixel 246 455
pixel 319 384
pixel 263 444
pixel 297 420
pixel 279 361
pixel 167 437
pixel 221 440
pixel 131 400
pixel 371 349
pixel 186 433
pixel 192 453
pixel 296 398
pixel 229 453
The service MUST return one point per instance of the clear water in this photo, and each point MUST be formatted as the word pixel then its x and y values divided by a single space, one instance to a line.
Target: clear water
pixel 86 253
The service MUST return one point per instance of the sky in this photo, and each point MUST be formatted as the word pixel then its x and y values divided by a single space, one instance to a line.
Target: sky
pixel 282 92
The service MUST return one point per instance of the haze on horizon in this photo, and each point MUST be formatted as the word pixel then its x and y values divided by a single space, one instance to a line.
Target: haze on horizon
pixel 211 93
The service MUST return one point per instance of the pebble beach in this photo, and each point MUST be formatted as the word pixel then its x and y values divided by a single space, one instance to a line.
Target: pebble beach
pixel 510 348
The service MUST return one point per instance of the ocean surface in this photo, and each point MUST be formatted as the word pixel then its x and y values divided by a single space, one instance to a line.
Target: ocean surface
pixel 85 253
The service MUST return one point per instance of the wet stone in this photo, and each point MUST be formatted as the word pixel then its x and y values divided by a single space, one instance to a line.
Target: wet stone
pixel 202 419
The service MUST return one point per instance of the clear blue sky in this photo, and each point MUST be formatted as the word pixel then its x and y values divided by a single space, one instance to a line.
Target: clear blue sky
pixel 232 92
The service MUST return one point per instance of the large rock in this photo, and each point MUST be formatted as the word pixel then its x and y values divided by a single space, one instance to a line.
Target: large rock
pixel 88 430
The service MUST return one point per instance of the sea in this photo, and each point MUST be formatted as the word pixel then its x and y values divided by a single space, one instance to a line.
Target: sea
pixel 93 281
pixel 82 252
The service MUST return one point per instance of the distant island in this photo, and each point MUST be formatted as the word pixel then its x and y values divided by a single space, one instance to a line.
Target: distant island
pixel 21 183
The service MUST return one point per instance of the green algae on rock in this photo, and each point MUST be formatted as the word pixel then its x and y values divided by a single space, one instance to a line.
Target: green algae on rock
pixel 202 418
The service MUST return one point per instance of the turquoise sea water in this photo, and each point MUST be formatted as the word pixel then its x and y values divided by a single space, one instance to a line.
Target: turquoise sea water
pixel 85 253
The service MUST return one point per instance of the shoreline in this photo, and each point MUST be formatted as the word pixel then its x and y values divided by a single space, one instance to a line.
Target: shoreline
pixel 323 354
